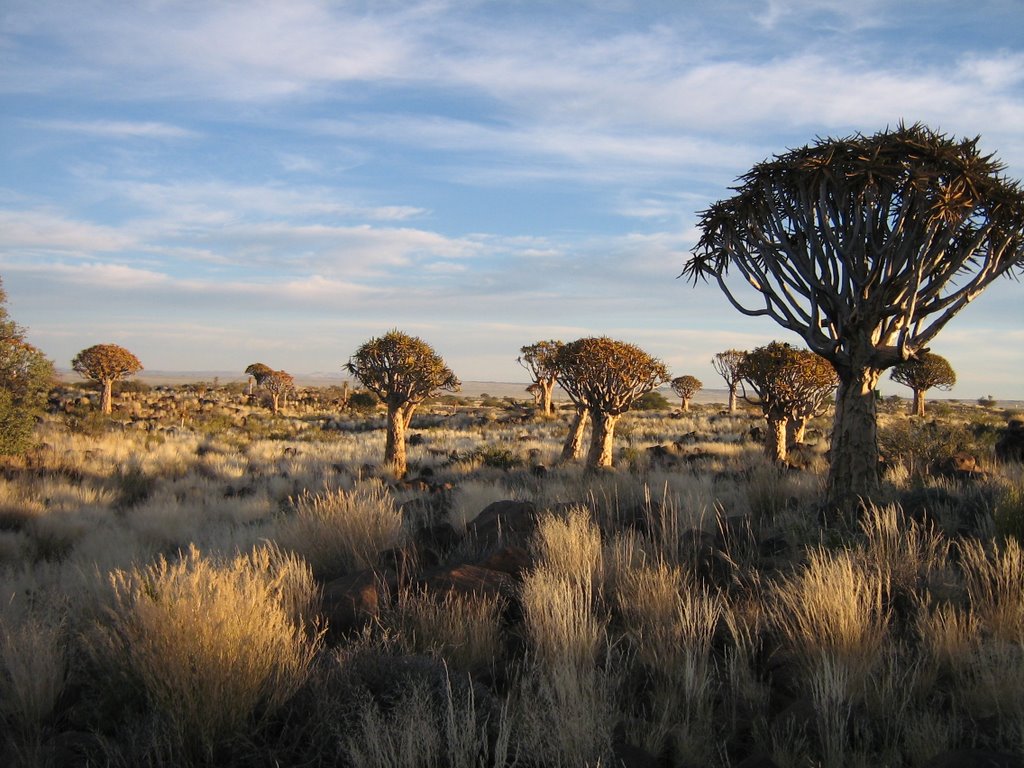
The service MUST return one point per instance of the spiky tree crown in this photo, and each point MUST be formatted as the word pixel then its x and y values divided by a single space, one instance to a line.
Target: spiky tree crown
pixel 259 371
pixel 727 365
pixel 106 362
pixel 540 359
pixel 928 371
pixel 607 375
pixel 865 246
pixel 401 369
pixel 789 382
pixel 686 386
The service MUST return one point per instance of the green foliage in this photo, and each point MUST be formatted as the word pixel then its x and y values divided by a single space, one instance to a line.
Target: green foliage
pixel 651 401
pixel 363 401
pixel 919 444
pixel 401 369
pixel 497 457
pixel 928 371
pixel 25 379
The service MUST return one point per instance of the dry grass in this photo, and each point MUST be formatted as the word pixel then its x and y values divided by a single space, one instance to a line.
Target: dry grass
pixel 343 531
pixel 832 610
pixel 35 670
pixel 211 641
pixel 995 584
pixel 465 630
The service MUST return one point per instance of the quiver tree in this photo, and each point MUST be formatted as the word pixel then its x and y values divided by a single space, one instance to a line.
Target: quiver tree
pixel 278 384
pixel 539 359
pixel 727 365
pixel 927 371
pixel 604 377
pixel 258 372
pixel 791 386
pixel 106 363
pixel 26 376
pixel 686 387
pixel 402 371
pixel 866 247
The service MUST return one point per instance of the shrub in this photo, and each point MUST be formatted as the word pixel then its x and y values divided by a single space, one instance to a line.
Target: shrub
pixel 651 401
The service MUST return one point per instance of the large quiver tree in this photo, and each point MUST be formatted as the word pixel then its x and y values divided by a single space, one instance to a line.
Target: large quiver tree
pixel 106 363
pixel 278 384
pixel 539 359
pixel 926 371
pixel 402 371
pixel 258 372
pixel 866 247
pixel 605 377
pixel 727 365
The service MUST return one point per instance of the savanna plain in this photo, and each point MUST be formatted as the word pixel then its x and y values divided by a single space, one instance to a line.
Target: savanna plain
pixel 198 581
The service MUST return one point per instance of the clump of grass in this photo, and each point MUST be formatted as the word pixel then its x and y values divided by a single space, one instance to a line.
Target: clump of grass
pixel 995 586
pixel 34 670
pixel 905 553
pixel 342 531
pixel 211 642
pixel 463 629
pixel 833 608
pixel 571 547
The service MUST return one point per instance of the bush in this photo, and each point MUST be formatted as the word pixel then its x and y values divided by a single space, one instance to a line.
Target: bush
pixel 651 401
pixel 363 401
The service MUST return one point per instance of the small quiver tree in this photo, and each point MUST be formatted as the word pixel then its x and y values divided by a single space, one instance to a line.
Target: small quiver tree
pixel 540 360
pixel 686 387
pixel 727 365
pixel 258 373
pixel 402 371
pixel 604 377
pixel 791 385
pixel 26 376
pixel 927 371
pixel 106 363
pixel 278 384
pixel 866 247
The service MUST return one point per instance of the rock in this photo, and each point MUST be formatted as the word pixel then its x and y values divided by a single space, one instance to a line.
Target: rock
pixel 468 580
pixel 512 560
pixel 973 758
pixel 352 601
pixel 502 519
pixel 959 466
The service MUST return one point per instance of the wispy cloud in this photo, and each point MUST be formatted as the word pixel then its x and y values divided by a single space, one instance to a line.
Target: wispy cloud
pixel 118 129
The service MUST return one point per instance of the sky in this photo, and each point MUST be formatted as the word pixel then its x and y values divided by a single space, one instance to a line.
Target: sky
pixel 212 184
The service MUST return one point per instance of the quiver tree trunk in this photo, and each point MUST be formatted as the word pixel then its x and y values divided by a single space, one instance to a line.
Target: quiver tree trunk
pixel 407 411
pixel 797 429
pixel 918 407
pixel 775 439
pixel 686 405
pixel 546 404
pixel 601 439
pixel 732 399
pixel 394 447
pixel 275 402
pixel 853 467
pixel 574 441
pixel 107 397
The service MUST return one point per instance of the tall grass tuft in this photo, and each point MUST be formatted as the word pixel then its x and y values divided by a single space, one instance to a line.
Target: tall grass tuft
pixel 212 642
pixel 35 670
pixel 995 585
pixel 342 531
pixel 833 607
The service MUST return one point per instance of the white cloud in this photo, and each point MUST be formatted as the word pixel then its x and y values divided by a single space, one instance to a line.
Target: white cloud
pixel 41 231
pixel 119 129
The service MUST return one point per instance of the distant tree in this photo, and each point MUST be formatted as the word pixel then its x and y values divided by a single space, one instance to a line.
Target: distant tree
pixel 866 247
pixel 604 377
pixel 26 376
pixel 686 387
pixel 258 372
pixel 539 359
pixel 278 384
pixel 402 371
pixel 790 385
pixel 651 401
pixel 106 363
pixel 727 365
pixel 927 371
pixel 536 393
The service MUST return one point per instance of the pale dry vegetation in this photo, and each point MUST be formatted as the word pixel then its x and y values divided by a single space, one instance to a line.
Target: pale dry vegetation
pixel 212 585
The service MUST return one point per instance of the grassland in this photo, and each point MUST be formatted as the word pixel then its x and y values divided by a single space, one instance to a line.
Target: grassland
pixel 196 582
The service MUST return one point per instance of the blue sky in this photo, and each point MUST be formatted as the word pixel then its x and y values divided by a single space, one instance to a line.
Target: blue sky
pixel 212 184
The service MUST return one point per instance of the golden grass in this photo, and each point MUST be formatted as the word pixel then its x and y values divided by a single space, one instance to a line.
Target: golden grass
pixel 211 641
pixel 465 630
pixel 34 669
pixel 343 531
pixel 995 585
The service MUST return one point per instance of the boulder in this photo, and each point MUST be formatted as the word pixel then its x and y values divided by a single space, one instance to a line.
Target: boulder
pixel 468 580
pixel 512 560
pixel 503 519
pixel 352 601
